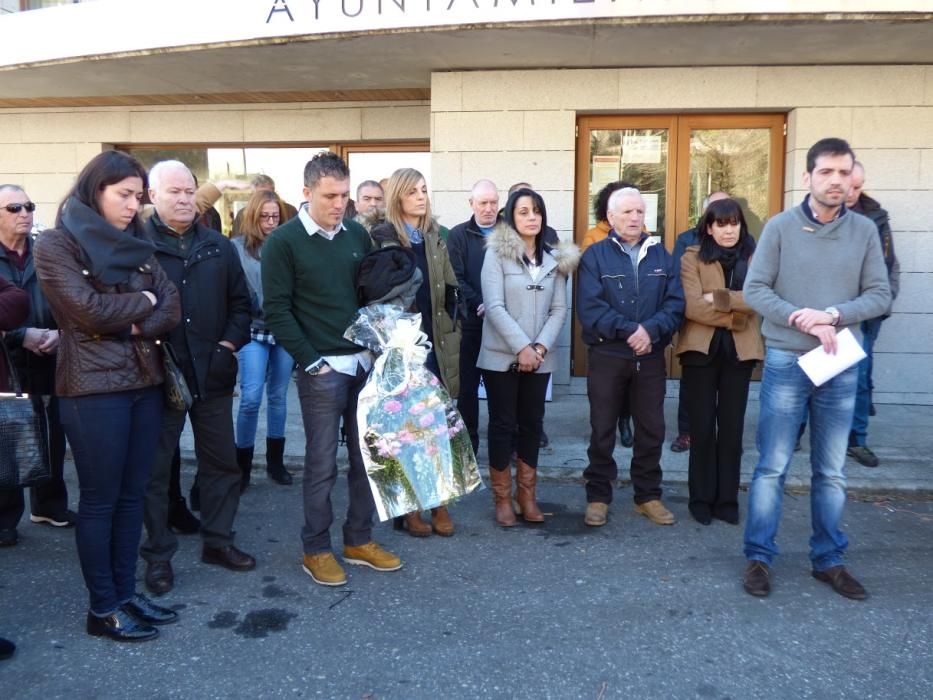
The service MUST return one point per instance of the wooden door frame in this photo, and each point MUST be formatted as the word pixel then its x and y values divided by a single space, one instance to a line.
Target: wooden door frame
pixel 687 122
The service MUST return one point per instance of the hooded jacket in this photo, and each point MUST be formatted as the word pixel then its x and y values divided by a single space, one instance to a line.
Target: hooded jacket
pixel 614 297
pixel 520 310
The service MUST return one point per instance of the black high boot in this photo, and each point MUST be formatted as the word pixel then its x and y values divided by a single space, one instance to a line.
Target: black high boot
pixel 244 458
pixel 275 466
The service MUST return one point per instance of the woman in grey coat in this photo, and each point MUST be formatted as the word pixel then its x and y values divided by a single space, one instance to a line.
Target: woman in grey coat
pixel 524 284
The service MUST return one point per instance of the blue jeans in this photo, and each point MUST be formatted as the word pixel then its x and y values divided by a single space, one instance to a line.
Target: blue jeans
pixel 325 398
pixel 113 439
pixel 859 436
pixel 785 395
pixel 269 366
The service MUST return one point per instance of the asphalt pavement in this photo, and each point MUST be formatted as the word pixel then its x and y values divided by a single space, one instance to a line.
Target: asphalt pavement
pixel 551 611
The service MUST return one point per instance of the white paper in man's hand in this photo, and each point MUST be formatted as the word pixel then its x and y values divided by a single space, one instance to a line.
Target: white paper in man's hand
pixel 820 366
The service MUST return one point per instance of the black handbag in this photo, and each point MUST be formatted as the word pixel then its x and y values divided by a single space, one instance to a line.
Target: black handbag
pixel 177 394
pixel 24 435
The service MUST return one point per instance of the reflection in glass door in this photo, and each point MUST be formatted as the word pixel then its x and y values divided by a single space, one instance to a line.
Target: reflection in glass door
pixel 636 156
pixel 738 154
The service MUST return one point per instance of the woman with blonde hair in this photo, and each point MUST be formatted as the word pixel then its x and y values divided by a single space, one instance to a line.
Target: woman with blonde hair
pixel 409 223
pixel 263 362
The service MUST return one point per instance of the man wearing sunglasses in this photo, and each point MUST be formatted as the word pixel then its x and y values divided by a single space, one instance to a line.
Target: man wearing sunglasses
pixel 32 348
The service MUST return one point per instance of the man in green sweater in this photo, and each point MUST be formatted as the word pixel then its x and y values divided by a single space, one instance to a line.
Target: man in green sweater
pixel 817 268
pixel 309 268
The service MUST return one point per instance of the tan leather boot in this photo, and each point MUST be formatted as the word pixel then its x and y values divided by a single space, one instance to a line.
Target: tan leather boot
pixel 501 480
pixel 525 495
pixel 414 524
pixel 441 522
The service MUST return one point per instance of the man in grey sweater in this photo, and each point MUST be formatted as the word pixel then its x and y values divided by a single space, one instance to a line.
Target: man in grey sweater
pixel 818 268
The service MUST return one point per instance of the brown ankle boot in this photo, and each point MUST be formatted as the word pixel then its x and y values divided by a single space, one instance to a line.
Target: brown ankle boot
pixel 525 494
pixel 415 525
pixel 441 522
pixel 501 480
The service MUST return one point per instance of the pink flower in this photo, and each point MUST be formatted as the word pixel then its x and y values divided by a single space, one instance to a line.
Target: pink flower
pixel 405 437
pixel 392 406
pixel 452 431
pixel 434 381
pixel 431 449
pixel 417 408
pixel 426 420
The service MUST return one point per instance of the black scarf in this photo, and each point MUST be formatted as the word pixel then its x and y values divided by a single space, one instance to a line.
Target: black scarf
pixel 734 268
pixel 110 254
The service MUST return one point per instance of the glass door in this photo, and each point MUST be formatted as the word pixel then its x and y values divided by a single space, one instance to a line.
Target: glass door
pixel 739 154
pixel 677 161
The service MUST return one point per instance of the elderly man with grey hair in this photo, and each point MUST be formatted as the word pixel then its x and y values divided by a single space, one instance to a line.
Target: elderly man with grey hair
pixel 630 303
pixel 467 247
pixel 215 304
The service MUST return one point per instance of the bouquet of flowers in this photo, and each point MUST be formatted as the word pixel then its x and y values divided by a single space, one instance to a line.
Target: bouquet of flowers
pixel 415 446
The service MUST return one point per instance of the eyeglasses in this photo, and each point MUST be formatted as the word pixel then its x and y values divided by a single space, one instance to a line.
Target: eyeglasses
pixel 269 217
pixel 16 208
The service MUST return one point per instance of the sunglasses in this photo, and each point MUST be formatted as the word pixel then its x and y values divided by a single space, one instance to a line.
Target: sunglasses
pixel 16 208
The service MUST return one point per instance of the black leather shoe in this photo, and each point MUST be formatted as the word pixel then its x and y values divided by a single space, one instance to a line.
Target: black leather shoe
pixel 180 518
pixel 159 577
pixel 228 557
pixel 844 583
pixel 757 578
pixel 120 626
pixel 140 607
pixel 625 433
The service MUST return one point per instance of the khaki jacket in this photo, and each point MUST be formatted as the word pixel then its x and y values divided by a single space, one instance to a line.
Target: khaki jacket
pixel 727 310
pixel 440 276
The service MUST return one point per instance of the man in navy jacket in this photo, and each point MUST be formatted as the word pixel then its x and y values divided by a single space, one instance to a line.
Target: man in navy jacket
pixel 630 303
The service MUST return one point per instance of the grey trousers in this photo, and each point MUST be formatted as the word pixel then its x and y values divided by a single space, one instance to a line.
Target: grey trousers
pixel 324 399
pixel 218 477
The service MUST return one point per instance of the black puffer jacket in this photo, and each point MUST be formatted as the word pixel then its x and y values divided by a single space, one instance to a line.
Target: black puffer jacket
pixel 36 372
pixel 215 306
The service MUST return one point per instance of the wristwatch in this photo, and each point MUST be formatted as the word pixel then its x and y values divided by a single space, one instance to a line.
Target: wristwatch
pixel 315 368
pixel 834 312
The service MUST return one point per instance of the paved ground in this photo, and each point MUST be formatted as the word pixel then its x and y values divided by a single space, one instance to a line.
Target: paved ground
pixel 555 611
pixel 552 611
